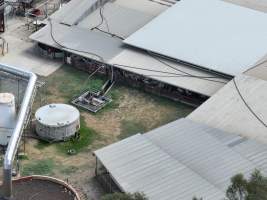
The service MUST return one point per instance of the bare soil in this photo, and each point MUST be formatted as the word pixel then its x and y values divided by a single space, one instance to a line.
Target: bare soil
pixel 40 190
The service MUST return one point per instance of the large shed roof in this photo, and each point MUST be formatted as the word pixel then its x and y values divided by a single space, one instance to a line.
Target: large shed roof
pixel 117 19
pixel 169 72
pixel 212 34
pixel 137 164
pixel 180 160
pixel 79 41
pixel 240 108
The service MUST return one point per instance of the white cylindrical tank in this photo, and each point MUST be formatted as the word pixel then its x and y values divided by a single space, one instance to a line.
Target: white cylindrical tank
pixel 56 122
pixel 7 117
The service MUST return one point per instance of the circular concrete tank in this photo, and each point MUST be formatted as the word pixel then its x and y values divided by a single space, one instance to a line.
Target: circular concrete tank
pixel 42 188
pixel 56 122
pixel 8 113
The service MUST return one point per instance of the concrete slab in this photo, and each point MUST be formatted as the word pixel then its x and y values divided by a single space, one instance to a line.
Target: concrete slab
pixel 23 53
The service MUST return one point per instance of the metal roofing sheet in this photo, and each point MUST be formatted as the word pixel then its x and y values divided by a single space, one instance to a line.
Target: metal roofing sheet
pixel 193 145
pixel 74 11
pixel 117 19
pixel 65 9
pixel 142 60
pixel 139 165
pixel 165 163
pixel 217 35
pixel 254 151
pixel 144 6
pixel 227 111
pixel 79 41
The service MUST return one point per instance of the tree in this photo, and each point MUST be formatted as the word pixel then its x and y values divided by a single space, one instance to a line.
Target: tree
pixel 125 196
pixel 254 188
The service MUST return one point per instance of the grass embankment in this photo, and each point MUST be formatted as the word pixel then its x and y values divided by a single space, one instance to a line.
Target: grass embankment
pixel 77 145
pixel 46 167
pixel 38 167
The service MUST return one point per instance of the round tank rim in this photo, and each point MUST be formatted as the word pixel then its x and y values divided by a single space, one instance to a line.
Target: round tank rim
pixel 51 179
pixel 64 119
pixel 57 126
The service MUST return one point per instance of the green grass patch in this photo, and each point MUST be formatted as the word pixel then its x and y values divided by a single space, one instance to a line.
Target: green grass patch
pixel 38 167
pixel 69 170
pixel 129 128
pixel 23 157
pixel 87 136
pixel 41 144
pixel 71 82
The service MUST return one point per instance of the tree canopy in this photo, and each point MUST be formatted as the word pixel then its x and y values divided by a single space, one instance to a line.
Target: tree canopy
pixel 241 188
pixel 253 188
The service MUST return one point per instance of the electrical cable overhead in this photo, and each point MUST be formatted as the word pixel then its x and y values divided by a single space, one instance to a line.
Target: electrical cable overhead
pixel 170 73
pixel 163 4
pixel 246 104
pixel 174 68
pixel 185 74
pixel 72 49
pixel 90 76
pixel 104 19
pixel 111 34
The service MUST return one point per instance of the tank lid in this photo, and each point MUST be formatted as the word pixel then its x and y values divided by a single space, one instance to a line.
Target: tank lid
pixel 57 114
pixel 7 98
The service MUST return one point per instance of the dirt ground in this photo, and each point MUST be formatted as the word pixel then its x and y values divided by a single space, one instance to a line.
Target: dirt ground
pixel 132 111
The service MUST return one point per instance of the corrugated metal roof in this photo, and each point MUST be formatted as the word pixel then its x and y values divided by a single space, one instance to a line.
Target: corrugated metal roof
pixel 214 35
pixel 143 60
pixel 79 39
pixel 252 150
pixel 180 160
pixel 226 110
pixel 193 145
pixel 139 165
